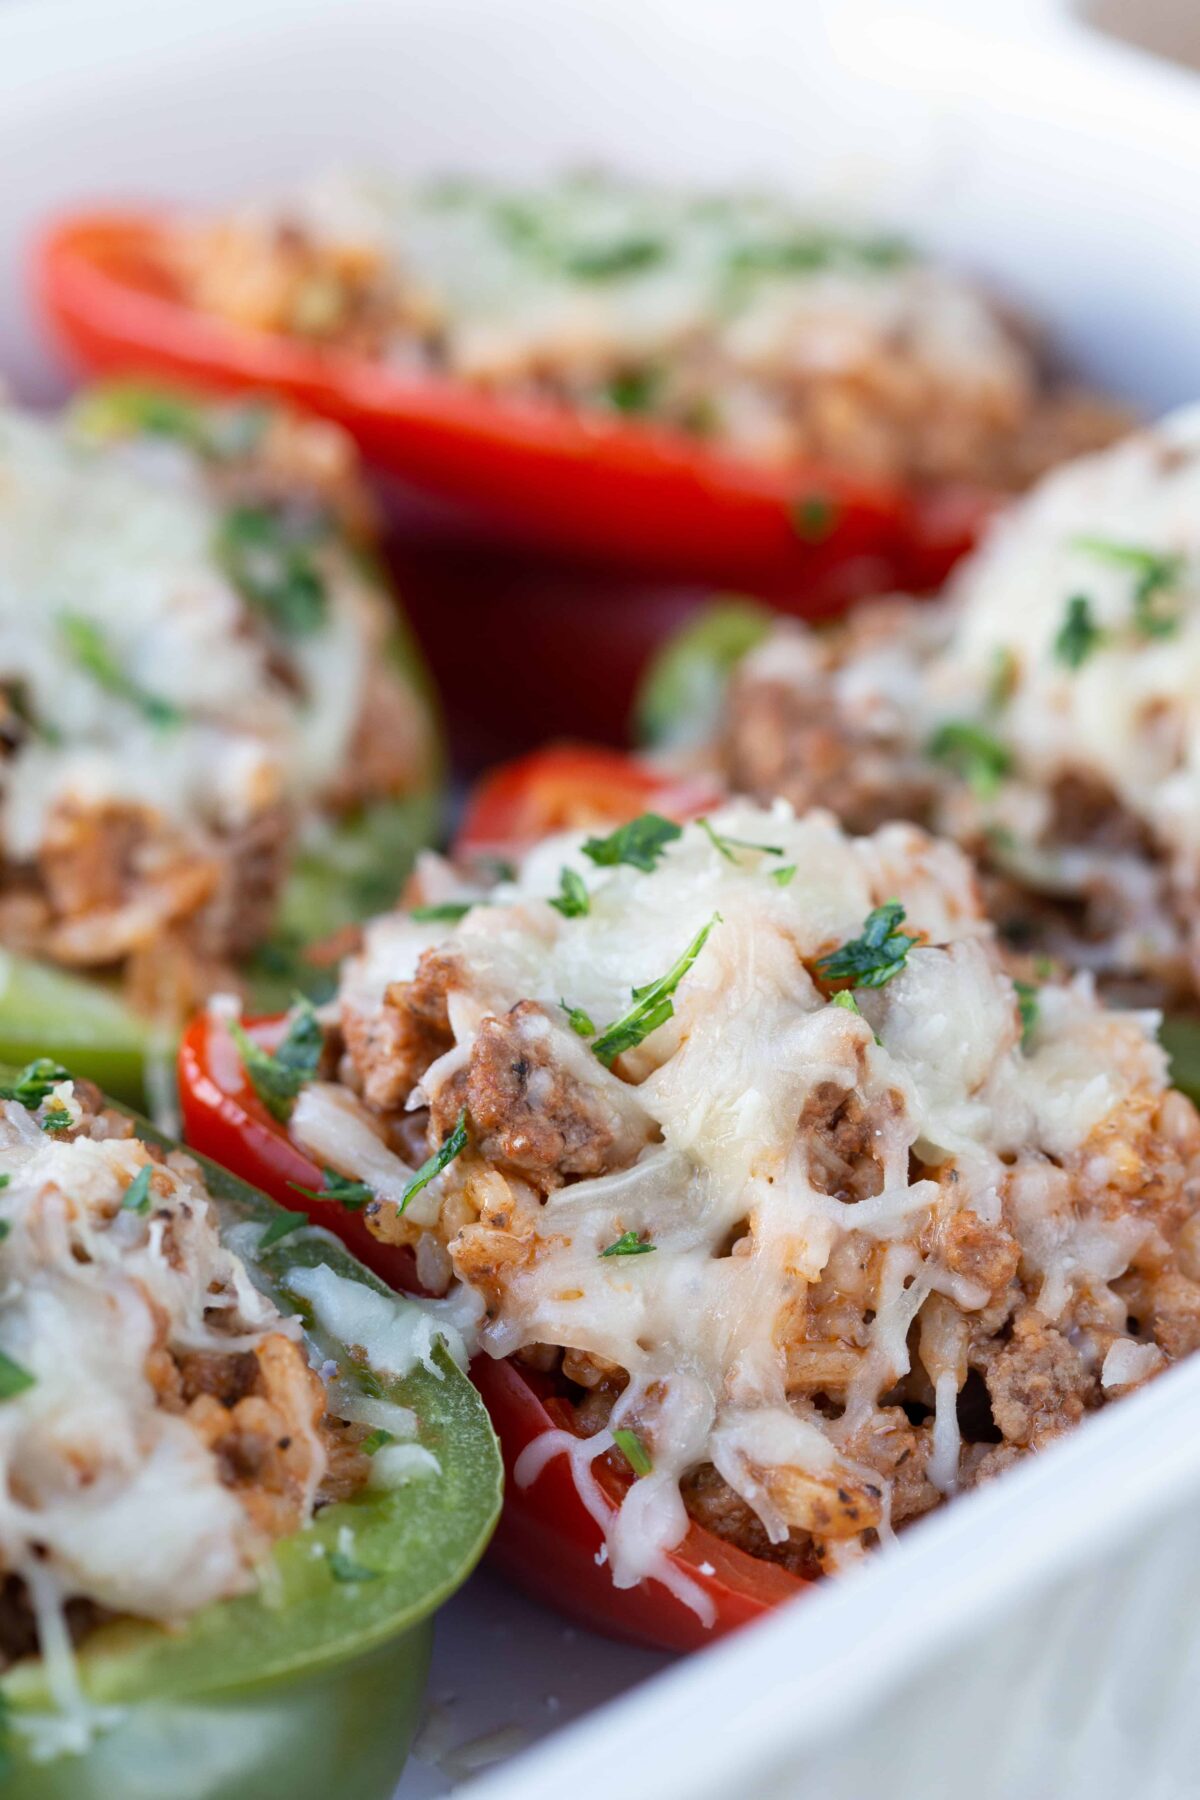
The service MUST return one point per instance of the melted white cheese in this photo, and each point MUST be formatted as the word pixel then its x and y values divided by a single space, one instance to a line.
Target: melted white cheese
pixel 934 1061
pixel 126 541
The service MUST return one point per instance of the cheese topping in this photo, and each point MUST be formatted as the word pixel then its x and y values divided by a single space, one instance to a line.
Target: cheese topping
pixel 102 1488
pixel 1046 713
pixel 142 672
pixel 803 1176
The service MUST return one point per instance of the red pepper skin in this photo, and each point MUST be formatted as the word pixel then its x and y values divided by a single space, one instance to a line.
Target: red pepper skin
pixel 547 1541
pixel 564 787
pixel 626 493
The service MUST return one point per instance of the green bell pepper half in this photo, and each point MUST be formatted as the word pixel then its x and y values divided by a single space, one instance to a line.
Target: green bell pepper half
pixel 309 1686
pixel 680 696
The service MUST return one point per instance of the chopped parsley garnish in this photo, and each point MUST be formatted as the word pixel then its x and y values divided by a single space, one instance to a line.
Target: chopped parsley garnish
pixel 845 999
pixel 629 1244
pixel 376 1440
pixel 91 650
pixel 654 1005
pixel 281 1226
pixel 5 1228
pixel 805 251
pixel 13 1378
pixel 871 959
pixel 633 1450
pixel 441 1159
pixel 578 1020
pixel 636 391
pixel 220 433
pixel 34 1082
pixel 813 517
pixel 137 1195
pixel 445 912
pixel 621 256
pixel 785 876
pixel 572 899
pixel 344 1568
pixel 268 555
pixel 278 1076
pixel 1155 573
pixel 353 1195
pixel 57 1118
pixel 640 843
pixel 4 1180
pixel 974 754
pixel 727 845
pixel 1078 635
pixel 1027 1007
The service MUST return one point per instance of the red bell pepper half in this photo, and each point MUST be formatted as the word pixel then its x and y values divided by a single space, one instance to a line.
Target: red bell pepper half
pixel 616 491
pixel 548 1541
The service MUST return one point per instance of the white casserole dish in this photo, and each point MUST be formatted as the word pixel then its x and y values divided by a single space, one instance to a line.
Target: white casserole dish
pixel 1039 1640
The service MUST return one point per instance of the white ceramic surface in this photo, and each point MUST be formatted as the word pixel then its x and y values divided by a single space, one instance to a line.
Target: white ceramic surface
pixel 1040 1640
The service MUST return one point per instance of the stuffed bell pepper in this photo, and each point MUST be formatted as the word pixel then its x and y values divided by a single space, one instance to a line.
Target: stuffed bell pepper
pixel 731 386
pixel 1045 714
pixel 238 1476
pixel 792 1202
pixel 215 742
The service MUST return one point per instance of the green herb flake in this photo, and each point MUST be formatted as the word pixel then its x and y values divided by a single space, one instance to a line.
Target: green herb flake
pixel 5 1229
pixel 14 1379
pixel 445 912
pixel 633 1450
pixel 5 1180
pixel 1078 635
pixel 34 1082
pixel 1155 574
pixel 572 899
pixel 785 876
pixel 441 1159
pixel 281 1226
pixel 353 1195
pixel 579 1021
pixel 635 391
pixel 980 759
pixel 845 999
pixel 90 648
pixel 344 1568
pixel 621 256
pixel 640 843
pixel 629 1244
pixel 876 955
pixel 727 845
pixel 814 517
pixel 376 1441
pixel 137 1195
pixel 278 1076
pixel 268 556
pixel 654 1005
pixel 1027 1007
pixel 56 1118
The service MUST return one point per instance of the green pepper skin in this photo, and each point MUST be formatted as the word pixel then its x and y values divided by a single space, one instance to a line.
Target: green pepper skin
pixel 679 700
pixel 309 1687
